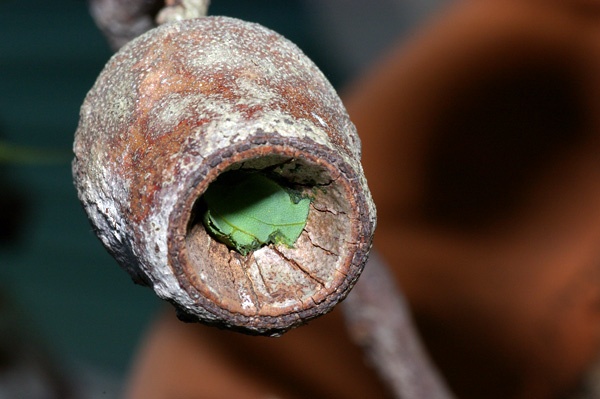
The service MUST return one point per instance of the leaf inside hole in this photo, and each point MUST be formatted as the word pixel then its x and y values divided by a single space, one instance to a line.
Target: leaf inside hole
pixel 246 210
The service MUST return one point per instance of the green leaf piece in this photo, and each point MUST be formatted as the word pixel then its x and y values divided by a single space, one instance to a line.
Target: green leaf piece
pixel 246 210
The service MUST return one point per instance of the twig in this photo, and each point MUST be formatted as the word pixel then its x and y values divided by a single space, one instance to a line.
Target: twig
pixel 177 10
pixel 379 321
pixel 123 20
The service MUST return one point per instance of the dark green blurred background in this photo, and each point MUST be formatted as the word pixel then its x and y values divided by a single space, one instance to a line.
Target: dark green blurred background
pixel 67 288
pixel 68 291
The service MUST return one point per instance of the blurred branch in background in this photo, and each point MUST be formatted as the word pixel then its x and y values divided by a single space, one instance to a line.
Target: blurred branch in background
pixel 379 321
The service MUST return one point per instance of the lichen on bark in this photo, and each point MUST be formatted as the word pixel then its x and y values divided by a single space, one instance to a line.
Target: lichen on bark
pixel 184 104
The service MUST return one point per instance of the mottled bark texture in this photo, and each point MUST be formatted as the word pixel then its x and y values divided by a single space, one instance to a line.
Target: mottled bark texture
pixel 188 101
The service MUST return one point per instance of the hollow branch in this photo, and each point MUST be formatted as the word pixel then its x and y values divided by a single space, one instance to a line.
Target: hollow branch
pixel 173 113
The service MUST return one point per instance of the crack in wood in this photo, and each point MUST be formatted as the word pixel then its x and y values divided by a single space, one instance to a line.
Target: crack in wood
pixel 299 267
pixel 330 252
pixel 325 210
pixel 262 277
pixel 258 305
pixel 243 264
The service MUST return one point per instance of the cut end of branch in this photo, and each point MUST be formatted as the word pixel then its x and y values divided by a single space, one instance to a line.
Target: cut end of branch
pixel 277 286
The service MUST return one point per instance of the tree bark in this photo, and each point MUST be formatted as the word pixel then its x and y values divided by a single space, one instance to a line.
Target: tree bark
pixel 181 105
